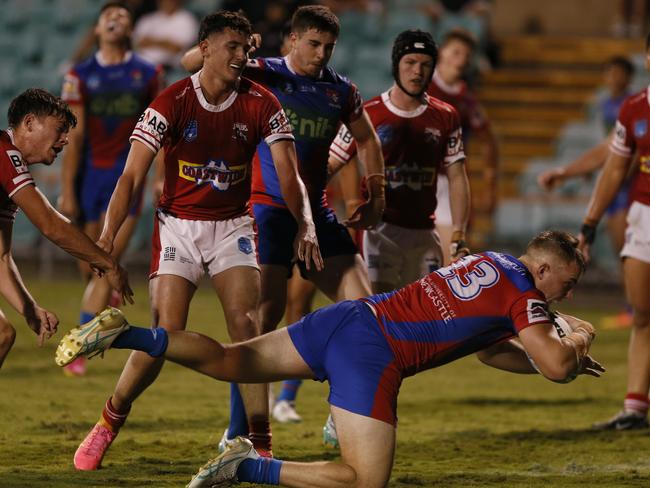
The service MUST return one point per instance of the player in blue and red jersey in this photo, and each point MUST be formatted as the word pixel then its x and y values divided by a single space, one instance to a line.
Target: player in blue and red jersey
pixel 316 100
pixel 490 303
pixel 107 93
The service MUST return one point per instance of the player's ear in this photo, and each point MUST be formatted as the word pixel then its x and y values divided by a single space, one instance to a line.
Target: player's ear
pixel 28 122
pixel 543 269
pixel 203 47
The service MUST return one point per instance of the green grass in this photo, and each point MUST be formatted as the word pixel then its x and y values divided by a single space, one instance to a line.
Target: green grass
pixel 462 425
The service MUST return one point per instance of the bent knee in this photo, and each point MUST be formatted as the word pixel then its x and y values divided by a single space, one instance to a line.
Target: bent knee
pixel 243 325
pixel 7 336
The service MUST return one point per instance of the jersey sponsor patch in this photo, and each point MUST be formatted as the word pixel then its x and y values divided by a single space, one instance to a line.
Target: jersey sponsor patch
pixel 151 128
pixel 17 161
pixel 537 311
pixel 219 174
pixel 279 123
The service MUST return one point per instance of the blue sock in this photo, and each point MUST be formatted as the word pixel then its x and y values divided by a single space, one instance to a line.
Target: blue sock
pixel 260 470
pixel 152 341
pixel 85 317
pixel 238 420
pixel 289 390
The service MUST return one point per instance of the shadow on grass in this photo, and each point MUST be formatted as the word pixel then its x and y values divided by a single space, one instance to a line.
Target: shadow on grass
pixel 528 402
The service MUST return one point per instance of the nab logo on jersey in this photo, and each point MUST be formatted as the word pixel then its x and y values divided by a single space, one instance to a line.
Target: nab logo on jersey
pixel 219 173
pixel 17 161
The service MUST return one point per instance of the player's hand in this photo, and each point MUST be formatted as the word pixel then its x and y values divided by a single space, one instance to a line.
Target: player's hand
pixel 306 246
pixel 256 43
pixel 43 322
pixel 367 215
pixel 586 239
pixel 458 248
pixel 68 206
pixel 548 180
pixel 589 366
pixel 118 278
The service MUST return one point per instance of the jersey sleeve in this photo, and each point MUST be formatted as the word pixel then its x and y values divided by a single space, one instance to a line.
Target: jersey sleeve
pixel 529 308
pixel 275 124
pixel 14 173
pixel 155 122
pixel 454 150
pixel 354 106
pixel 72 91
pixel 623 142
pixel 343 147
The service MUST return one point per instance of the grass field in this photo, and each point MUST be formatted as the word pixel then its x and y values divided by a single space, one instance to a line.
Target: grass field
pixel 461 425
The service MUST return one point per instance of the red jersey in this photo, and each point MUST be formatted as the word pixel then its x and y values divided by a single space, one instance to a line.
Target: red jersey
pixel 631 135
pixel 416 145
pixel 14 175
pixel 478 301
pixel 472 117
pixel 209 148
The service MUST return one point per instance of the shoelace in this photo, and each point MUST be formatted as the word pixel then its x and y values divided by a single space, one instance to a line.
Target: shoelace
pixel 102 437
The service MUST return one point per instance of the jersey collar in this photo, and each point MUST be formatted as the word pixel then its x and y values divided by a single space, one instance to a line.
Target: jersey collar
pixel 445 87
pixel 10 133
pixel 407 114
pixel 102 62
pixel 291 70
pixel 204 103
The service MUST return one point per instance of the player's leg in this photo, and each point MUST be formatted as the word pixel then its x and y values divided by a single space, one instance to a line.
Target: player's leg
pixel 443 217
pixel 7 337
pixel 426 256
pixel 384 257
pixel 616 223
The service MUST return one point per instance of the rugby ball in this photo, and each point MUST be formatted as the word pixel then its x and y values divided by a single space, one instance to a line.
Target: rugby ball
pixel 563 329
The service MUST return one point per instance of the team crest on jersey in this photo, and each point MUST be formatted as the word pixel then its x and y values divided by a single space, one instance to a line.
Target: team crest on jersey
pixel 219 174
pixel 240 132
pixel 432 135
pixel 385 134
pixel 93 82
pixel 245 245
pixel 287 88
pixel 640 128
pixel 191 131
pixel 333 95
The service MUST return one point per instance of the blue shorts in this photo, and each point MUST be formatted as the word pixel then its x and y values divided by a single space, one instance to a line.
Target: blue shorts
pixel 343 344
pixel 621 200
pixel 276 231
pixel 94 190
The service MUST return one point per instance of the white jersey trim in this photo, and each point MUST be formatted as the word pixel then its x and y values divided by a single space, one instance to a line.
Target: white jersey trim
pixel 29 181
pixel 454 89
pixel 103 63
pixel 204 103
pixel 407 114
pixel 279 137
pixel 10 133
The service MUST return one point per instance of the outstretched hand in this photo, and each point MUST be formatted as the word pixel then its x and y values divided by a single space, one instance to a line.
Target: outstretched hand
pixel 43 322
pixel 307 248
pixel 589 366
pixel 118 278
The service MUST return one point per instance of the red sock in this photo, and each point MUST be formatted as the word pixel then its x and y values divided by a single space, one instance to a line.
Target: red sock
pixel 636 402
pixel 260 435
pixel 111 419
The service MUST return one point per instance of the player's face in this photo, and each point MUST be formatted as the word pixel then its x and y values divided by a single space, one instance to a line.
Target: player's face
pixel 225 54
pixel 556 279
pixel 454 57
pixel 114 25
pixel 415 72
pixel 311 51
pixel 46 137
pixel 616 79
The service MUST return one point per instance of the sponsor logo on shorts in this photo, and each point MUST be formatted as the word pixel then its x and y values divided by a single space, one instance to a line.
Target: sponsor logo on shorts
pixel 191 131
pixel 169 254
pixel 219 174
pixel 245 245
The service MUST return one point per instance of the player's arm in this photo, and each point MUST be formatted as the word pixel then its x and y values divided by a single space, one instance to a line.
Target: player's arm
pixel 128 185
pixel 459 203
pixel 587 163
pixel 294 194
pixel 68 237
pixel 369 151
pixel 67 202
pixel 192 60
pixel 507 356
pixel 13 289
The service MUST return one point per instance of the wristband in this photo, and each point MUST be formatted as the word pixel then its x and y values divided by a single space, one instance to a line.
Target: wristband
pixel 588 231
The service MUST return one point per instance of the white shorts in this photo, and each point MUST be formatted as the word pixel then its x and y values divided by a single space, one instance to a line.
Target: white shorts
pixel 398 256
pixel 188 248
pixel 637 233
pixel 443 209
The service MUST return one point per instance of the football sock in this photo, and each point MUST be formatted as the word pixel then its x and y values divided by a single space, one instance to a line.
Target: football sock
pixel 636 402
pixel 152 341
pixel 260 436
pixel 238 421
pixel 85 317
pixel 260 470
pixel 111 419
pixel 289 390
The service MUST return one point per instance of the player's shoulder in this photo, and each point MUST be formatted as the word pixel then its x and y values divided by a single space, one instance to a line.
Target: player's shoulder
pixel 637 100
pixel 254 91
pixel 511 268
pixel 5 142
pixel 330 75
pixel 374 104
pixel 436 105
pixel 179 91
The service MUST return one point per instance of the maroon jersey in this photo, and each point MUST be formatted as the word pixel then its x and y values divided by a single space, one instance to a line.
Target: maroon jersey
pixel 472 117
pixel 631 135
pixel 416 145
pixel 14 175
pixel 209 148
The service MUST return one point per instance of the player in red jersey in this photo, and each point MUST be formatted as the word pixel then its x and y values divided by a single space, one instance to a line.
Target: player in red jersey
pixel 631 136
pixel 107 93
pixel 447 85
pixel 209 126
pixel 489 303
pixel 420 137
pixel 38 130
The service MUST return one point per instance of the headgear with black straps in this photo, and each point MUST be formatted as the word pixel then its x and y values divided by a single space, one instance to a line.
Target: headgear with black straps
pixel 412 41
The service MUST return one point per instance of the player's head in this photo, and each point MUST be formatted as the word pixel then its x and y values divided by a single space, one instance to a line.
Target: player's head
pixel 41 123
pixel 115 24
pixel 224 40
pixel 456 52
pixel 556 263
pixel 314 31
pixel 414 57
pixel 618 74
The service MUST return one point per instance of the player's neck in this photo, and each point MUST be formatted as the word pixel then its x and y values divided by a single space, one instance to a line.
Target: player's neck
pixel 215 90
pixel 112 53
pixel 447 76
pixel 403 101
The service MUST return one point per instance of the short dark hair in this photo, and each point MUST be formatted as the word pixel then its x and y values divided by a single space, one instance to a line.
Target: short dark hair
pixel 461 35
pixel 316 17
pixel 40 103
pixel 117 4
pixel 623 63
pixel 562 244
pixel 222 20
